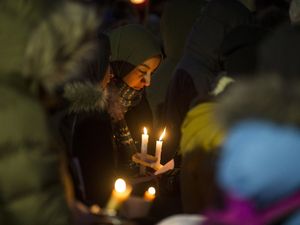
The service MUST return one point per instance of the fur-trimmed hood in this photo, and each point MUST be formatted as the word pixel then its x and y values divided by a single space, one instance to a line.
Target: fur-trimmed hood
pixel 267 98
pixel 61 46
pixel 85 97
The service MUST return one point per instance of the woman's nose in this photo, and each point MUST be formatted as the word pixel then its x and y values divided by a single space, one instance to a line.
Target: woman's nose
pixel 147 79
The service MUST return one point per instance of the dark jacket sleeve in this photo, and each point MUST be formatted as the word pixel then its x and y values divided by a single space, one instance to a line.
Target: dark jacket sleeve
pixel 92 146
pixel 181 93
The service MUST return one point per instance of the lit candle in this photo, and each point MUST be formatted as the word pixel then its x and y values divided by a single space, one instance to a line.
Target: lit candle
pixel 150 194
pixel 137 1
pixel 159 146
pixel 145 139
pixel 144 146
pixel 120 193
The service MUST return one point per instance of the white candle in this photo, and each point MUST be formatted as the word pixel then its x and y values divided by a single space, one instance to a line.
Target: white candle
pixel 144 146
pixel 120 194
pixel 159 146
pixel 145 139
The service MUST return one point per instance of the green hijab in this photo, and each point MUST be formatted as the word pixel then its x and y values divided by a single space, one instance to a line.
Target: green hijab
pixel 133 44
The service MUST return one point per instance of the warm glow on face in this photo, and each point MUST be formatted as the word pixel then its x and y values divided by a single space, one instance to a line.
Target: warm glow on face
pixel 137 1
pixel 162 135
pixel 151 190
pixel 145 130
pixel 120 185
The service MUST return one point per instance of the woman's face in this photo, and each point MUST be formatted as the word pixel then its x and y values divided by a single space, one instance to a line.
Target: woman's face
pixel 140 76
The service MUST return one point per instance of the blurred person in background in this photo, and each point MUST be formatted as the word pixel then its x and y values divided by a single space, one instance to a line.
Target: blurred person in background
pixel 35 57
pixel 173 38
pixel 259 156
pixel 202 136
pixel 200 64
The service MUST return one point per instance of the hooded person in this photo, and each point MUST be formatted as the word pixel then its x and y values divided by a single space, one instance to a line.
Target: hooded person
pixel 135 56
pixel 173 38
pixel 32 191
pixel 202 135
pixel 200 64
pixel 102 143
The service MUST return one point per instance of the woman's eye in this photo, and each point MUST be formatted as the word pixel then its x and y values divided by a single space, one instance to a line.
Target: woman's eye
pixel 143 72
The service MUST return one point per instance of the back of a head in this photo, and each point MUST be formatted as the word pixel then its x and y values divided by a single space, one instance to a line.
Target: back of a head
pixel 280 53
pixel 202 51
pixel 240 50
pixel 273 17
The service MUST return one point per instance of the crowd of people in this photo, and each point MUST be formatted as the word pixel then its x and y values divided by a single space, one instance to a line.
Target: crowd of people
pixel 80 80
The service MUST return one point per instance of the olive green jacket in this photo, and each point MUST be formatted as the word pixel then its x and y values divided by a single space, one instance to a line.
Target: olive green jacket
pixel 30 187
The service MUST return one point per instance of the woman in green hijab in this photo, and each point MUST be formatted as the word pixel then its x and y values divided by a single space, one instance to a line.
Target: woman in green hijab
pixel 135 55
pixel 104 141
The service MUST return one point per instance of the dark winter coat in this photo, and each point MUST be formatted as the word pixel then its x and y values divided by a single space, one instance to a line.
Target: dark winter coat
pixel 200 63
pixel 173 38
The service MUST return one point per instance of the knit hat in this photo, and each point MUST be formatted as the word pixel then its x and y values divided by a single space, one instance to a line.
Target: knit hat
pixel 259 161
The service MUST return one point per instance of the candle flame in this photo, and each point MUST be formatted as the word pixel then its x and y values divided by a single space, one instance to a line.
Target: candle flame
pixel 145 130
pixel 137 1
pixel 151 190
pixel 120 185
pixel 162 135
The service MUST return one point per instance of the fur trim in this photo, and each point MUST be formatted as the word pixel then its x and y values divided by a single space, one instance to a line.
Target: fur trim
pixel 269 98
pixel 61 46
pixel 85 97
